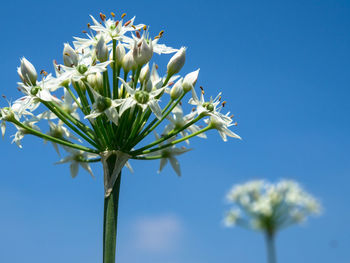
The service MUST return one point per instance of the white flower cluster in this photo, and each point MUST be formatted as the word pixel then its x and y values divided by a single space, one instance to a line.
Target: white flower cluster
pixel 269 207
pixel 104 94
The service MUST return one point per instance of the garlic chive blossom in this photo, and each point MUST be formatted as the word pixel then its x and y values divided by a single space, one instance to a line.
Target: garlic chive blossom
pixel 104 100
pixel 269 208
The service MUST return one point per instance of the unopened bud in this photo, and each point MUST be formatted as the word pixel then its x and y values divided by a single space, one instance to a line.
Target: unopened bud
pixel 177 62
pixel 70 57
pixel 119 54
pixel 142 52
pixel 27 72
pixel 190 80
pixel 128 62
pixel 177 90
pixel 101 50
pixel 145 73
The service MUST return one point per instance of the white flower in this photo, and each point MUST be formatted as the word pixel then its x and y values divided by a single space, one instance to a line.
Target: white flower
pixel 141 98
pixel 27 72
pixel 78 158
pixel 85 66
pixel 142 51
pixel 104 105
pixel 176 91
pixel 19 135
pixel 61 132
pixel 41 90
pixel 101 50
pixel 271 207
pixel 157 48
pixel 169 154
pixel 232 217
pixel 157 81
pixel 190 80
pixel 128 62
pixel 221 125
pixel 178 120
pixel 208 108
pixel 70 56
pixel 114 29
pixel 177 62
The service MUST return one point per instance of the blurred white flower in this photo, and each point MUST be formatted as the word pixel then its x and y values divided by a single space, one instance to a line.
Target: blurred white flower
pixel 270 207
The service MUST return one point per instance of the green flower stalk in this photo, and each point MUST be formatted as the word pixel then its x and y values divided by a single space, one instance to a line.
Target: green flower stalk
pixel 269 208
pixel 105 100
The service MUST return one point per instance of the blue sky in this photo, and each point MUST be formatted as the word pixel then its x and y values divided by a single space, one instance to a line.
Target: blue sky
pixel 283 67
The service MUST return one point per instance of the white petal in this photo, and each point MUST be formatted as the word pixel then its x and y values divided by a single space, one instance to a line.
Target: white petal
pixel 163 162
pixel 176 165
pixel 153 104
pixel 87 167
pixel 3 128
pixel 74 168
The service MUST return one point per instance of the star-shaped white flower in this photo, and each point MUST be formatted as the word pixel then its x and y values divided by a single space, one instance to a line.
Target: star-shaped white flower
pixel 178 120
pixel 78 158
pixel 157 48
pixel 85 66
pixel 222 126
pixel 142 98
pixel 114 29
pixel 104 105
pixel 61 132
pixel 41 90
pixel 169 154
pixel 19 135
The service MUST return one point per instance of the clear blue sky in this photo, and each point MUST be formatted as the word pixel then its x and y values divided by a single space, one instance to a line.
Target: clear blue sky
pixel 283 67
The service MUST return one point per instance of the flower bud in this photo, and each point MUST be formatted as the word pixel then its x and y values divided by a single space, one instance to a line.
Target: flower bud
pixel 177 90
pixel 145 73
pixel 190 80
pixel 91 80
pixel 70 57
pixel 176 62
pixel 128 62
pixel 119 54
pixel 27 72
pixel 142 51
pixel 99 82
pixel 101 50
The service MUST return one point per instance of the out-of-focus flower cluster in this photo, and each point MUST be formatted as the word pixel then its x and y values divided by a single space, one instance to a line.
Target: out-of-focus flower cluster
pixel 267 207
pixel 106 96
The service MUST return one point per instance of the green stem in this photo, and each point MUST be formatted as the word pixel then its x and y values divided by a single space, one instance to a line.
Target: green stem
pixel 111 217
pixel 271 250
pixel 169 135
pixel 171 143
pixel 60 114
pixel 53 139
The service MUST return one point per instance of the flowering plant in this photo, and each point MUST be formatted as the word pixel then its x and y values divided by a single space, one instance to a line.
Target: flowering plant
pixel 267 207
pixel 105 99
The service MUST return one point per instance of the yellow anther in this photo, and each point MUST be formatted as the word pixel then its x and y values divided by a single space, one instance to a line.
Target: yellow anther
pixel 112 14
pixel 122 16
